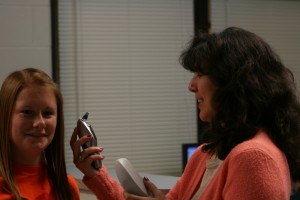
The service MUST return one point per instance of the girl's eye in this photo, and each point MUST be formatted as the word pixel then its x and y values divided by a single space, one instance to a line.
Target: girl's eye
pixel 48 113
pixel 27 112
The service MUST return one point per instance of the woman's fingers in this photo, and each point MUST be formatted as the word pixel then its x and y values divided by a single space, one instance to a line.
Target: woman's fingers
pixel 156 193
pixel 73 138
pixel 89 152
pixel 86 160
pixel 86 156
pixel 75 147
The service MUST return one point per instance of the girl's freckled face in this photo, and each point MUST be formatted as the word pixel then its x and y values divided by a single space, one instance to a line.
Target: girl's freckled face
pixel 34 119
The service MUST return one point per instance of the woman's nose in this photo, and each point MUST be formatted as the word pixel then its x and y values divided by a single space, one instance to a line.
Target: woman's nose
pixel 192 87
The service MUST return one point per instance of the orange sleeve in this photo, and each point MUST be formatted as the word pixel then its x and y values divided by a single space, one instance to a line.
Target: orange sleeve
pixel 103 186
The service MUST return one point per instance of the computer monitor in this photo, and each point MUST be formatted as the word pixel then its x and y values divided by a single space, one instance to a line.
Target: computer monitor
pixel 187 151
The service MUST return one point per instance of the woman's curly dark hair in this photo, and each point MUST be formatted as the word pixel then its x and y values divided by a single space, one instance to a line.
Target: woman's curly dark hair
pixel 255 90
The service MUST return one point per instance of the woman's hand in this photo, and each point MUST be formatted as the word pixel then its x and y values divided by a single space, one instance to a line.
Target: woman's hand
pixel 156 193
pixel 83 159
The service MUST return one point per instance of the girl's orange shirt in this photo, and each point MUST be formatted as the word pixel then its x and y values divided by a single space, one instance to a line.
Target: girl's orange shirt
pixel 34 183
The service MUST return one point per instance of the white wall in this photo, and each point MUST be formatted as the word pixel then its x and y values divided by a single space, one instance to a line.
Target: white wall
pixel 25 36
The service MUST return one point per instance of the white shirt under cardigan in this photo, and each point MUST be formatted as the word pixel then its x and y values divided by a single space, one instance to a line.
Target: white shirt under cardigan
pixel 212 166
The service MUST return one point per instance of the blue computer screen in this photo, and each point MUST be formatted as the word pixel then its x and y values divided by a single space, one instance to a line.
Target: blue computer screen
pixel 187 151
pixel 190 151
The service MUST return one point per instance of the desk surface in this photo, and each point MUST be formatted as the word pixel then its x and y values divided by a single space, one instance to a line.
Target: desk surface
pixel 161 181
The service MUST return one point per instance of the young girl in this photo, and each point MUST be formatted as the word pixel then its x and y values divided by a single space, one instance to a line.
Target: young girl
pixel 32 163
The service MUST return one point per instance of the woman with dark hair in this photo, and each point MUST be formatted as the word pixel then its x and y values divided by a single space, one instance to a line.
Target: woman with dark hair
pixel 32 162
pixel 250 100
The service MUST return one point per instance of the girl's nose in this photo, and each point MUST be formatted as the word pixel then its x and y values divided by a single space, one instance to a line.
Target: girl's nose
pixel 39 122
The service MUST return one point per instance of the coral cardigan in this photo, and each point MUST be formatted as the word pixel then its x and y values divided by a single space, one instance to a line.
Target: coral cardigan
pixel 34 184
pixel 255 169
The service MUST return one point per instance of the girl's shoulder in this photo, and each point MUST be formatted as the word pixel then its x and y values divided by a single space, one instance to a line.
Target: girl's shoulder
pixel 74 187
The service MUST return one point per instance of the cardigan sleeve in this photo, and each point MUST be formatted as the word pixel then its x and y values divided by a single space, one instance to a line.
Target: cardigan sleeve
pixel 103 186
pixel 173 193
pixel 256 174
pixel 190 180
